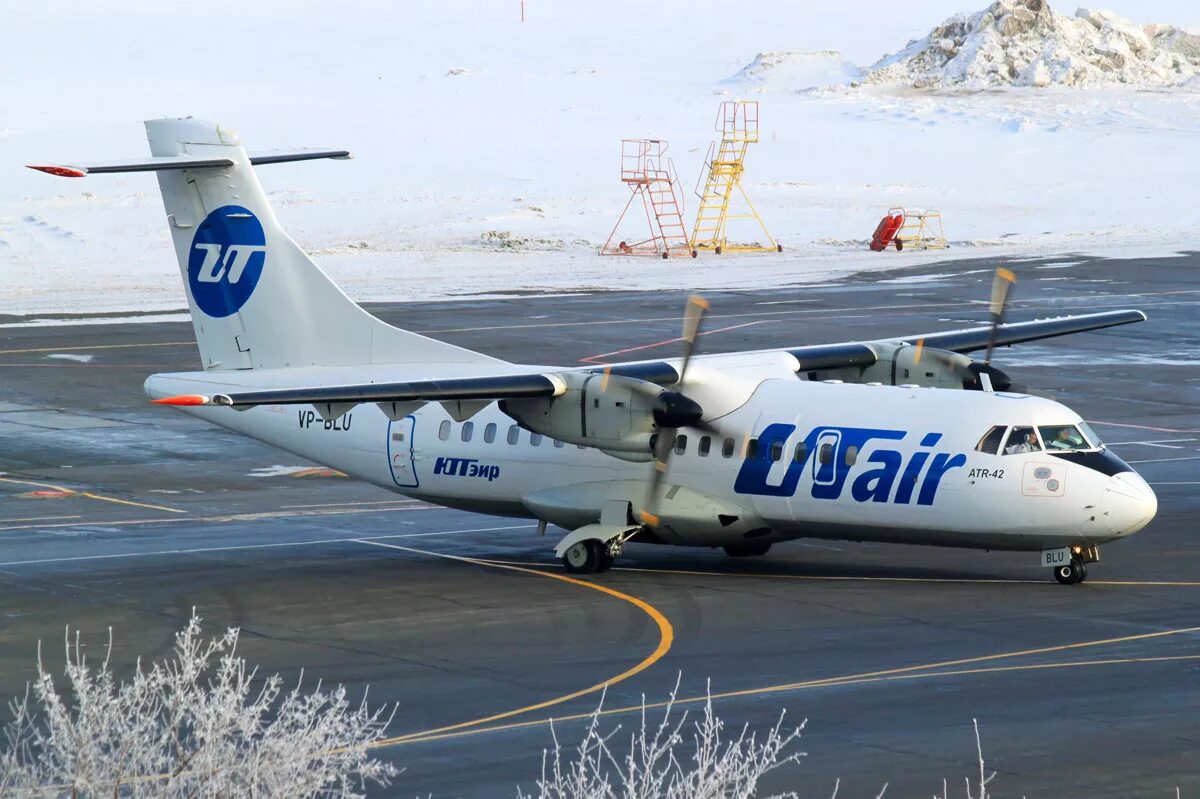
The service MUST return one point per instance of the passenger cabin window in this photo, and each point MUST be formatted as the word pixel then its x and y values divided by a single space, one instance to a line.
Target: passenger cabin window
pixel 851 456
pixel 535 439
pixel 680 445
pixel 514 434
pixel 990 443
pixel 1022 440
pixel 1063 437
pixel 801 452
pixel 776 451
pixel 489 433
pixel 468 430
pixel 751 448
pixel 444 430
pixel 703 446
pixel 558 444
pixel 825 454
pixel 727 448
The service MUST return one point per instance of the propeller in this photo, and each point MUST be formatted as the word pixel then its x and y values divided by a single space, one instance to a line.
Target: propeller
pixel 1002 284
pixel 674 410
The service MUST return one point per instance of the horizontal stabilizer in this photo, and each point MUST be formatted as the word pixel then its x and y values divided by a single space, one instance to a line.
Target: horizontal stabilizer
pixel 166 163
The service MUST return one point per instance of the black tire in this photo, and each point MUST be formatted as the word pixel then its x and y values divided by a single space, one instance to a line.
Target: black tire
pixel 899 245
pixel 717 250
pixel 1071 573
pixel 695 253
pixel 779 248
pixel 746 550
pixel 606 561
pixel 583 557
pixel 665 256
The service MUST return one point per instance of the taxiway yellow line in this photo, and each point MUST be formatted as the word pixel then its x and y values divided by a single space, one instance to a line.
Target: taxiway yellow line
pixel 869 578
pixel 91 495
pixel 696 699
pixel 666 637
pixel 922 671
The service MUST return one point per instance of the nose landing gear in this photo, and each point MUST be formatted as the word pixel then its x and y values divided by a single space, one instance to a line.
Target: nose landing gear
pixel 1072 572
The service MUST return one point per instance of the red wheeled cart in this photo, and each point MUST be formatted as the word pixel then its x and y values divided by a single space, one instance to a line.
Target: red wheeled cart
pixel 885 233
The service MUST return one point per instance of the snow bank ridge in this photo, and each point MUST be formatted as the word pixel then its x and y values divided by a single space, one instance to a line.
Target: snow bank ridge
pixel 796 70
pixel 1026 43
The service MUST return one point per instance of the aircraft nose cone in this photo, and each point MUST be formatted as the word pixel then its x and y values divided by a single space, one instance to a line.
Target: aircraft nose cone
pixel 1129 503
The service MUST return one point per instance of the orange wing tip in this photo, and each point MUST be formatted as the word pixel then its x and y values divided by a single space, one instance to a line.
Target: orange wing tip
pixel 59 171
pixel 183 399
pixel 649 519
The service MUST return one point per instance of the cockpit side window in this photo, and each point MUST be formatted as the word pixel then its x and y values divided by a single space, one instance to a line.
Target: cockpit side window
pixel 1091 435
pixel 1063 437
pixel 990 443
pixel 1022 440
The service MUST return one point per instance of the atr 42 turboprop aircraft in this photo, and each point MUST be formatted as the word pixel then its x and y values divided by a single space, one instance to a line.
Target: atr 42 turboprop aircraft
pixel 900 440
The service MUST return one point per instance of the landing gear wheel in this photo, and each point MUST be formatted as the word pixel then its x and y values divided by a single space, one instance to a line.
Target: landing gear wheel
pixel 717 250
pixel 695 253
pixel 899 245
pixel 746 550
pixel 584 557
pixel 606 561
pixel 1071 573
pixel 778 248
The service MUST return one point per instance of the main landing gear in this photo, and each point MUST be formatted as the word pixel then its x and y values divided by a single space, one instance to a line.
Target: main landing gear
pixel 587 557
pixel 746 550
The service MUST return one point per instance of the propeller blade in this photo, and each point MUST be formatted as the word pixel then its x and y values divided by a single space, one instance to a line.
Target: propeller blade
pixel 674 410
pixel 693 314
pixel 1002 285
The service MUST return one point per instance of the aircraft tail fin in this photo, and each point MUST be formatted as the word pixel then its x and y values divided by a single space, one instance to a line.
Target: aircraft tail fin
pixel 256 298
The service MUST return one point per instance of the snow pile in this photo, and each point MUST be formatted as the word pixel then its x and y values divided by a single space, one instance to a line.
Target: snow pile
pixel 1026 43
pixel 796 70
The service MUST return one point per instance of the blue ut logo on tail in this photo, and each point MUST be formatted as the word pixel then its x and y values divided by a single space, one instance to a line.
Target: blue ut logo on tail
pixel 226 260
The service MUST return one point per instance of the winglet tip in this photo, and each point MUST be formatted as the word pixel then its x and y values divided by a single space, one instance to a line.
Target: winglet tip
pixel 58 171
pixel 183 400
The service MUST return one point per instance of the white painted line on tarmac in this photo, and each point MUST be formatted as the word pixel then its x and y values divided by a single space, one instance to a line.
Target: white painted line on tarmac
pixel 1165 460
pixel 242 547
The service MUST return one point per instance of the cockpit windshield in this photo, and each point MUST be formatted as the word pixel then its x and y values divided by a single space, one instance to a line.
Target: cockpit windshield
pixel 1063 437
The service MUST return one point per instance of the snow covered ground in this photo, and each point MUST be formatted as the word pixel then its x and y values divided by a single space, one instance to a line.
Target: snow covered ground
pixel 464 120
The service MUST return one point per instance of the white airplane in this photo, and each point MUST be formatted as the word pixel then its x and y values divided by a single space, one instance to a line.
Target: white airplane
pixel 899 440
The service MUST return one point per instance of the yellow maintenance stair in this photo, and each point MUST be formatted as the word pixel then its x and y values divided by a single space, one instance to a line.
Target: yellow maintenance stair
pixel 737 122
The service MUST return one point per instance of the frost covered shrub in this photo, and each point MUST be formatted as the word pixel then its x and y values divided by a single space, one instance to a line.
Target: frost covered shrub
pixel 192 725
pixel 669 759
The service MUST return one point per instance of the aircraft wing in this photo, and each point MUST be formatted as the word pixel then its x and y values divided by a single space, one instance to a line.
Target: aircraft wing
pixel 484 389
pixel 450 389
pixel 976 338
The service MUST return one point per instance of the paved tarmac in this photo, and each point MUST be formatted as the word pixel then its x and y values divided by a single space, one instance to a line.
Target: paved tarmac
pixel 116 513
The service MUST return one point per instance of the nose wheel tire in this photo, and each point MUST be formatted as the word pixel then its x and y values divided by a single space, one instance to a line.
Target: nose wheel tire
pixel 587 557
pixel 1071 573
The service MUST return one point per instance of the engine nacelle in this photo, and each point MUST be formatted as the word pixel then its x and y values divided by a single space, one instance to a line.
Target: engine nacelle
pixel 897 364
pixel 611 413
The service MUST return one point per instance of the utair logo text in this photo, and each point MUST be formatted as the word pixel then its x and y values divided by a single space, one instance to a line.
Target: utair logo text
pixel 226 260
pixel 831 456
pixel 465 467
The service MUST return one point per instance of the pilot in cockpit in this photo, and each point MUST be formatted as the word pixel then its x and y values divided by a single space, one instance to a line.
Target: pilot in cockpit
pixel 1022 440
